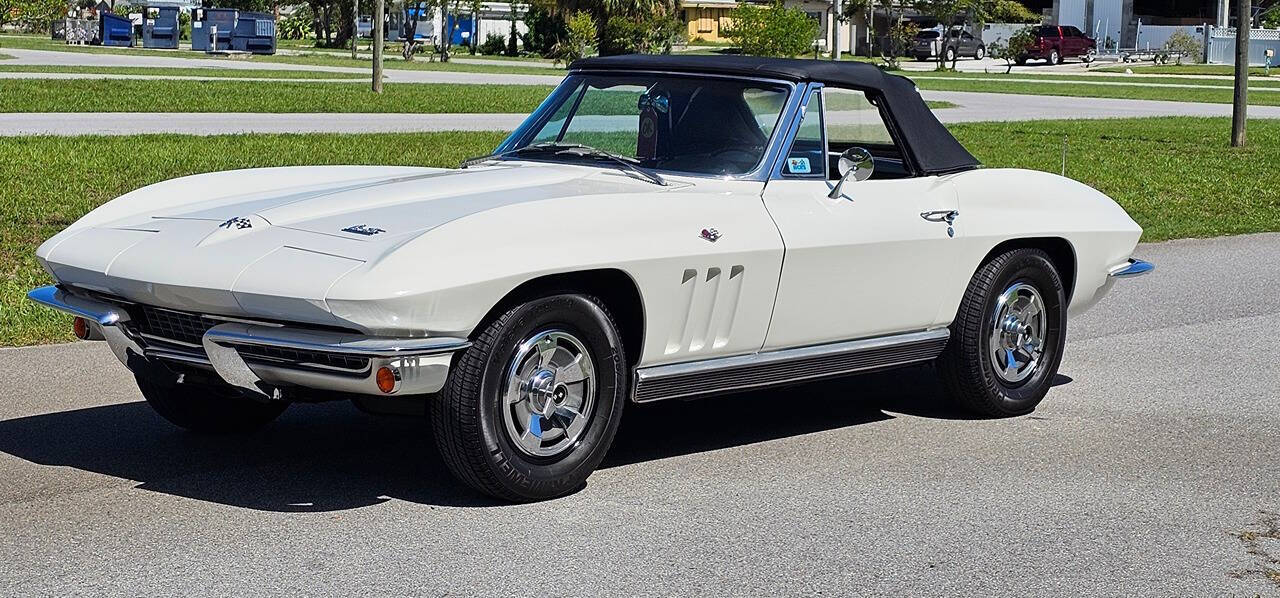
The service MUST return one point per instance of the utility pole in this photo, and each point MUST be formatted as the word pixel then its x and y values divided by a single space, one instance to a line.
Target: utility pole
pixel 835 29
pixel 355 27
pixel 1240 105
pixel 377 45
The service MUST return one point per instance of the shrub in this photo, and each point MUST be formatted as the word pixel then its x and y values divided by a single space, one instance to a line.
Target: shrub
pixel 297 25
pixel 772 31
pixel 1184 42
pixel 629 35
pixel 494 44
pixel 1010 11
pixel 580 39
pixel 546 30
pixel 1016 47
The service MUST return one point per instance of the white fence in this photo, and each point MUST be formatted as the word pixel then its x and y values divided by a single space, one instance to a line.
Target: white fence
pixel 1221 45
pixel 1153 37
pixel 1000 32
pixel 499 26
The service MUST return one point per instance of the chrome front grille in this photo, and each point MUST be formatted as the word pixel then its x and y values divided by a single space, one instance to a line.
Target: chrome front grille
pixel 311 358
pixel 172 325
pixel 171 332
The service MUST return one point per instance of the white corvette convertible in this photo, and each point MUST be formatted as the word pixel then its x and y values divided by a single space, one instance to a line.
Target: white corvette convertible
pixel 661 227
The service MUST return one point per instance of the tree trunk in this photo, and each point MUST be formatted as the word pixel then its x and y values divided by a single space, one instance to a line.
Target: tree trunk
pixel 377 45
pixel 1239 106
pixel 355 27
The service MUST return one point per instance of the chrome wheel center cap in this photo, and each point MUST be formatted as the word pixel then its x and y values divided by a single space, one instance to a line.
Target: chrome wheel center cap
pixel 550 393
pixel 1017 333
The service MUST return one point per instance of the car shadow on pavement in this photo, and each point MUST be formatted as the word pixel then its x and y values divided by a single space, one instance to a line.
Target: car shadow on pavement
pixel 331 457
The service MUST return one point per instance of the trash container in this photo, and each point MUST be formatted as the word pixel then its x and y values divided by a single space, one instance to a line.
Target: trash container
pixel 205 19
pixel 160 27
pixel 115 30
pixel 254 32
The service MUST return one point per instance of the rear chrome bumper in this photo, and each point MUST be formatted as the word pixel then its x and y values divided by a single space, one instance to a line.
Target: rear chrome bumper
pixel 1130 269
pixel 264 357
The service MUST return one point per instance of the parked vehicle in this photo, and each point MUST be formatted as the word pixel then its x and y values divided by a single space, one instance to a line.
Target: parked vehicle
pixel 624 245
pixel 1055 44
pixel 956 42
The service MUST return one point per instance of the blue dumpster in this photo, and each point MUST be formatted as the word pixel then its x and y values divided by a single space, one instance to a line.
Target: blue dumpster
pixel 115 30
pixel 206 22
pixel 160 27
pixel 254 32
pixel 463 28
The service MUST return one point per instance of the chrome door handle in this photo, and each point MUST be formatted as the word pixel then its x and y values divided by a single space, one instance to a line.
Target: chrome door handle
pixel 947 216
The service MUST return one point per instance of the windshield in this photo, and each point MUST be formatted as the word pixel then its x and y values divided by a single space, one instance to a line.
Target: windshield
pixel 660 122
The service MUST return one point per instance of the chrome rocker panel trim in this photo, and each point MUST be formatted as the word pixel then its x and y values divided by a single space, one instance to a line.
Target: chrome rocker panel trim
pixel 420 364
pixel 1131 268
pixel 785 366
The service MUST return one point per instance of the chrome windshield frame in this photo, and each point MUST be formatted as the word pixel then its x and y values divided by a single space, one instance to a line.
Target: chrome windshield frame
pixel 760 172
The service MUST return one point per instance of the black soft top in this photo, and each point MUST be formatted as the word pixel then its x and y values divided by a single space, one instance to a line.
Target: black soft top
pixel 928 143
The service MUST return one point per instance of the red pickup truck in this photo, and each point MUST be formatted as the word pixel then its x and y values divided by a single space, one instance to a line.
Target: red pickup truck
pixel 1054 43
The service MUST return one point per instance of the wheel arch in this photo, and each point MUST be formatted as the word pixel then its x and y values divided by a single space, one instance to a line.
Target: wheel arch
pixel 616 288
pixel 1060 250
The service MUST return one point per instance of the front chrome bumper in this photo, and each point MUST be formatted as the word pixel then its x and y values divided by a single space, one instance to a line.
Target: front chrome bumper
pixel 233 350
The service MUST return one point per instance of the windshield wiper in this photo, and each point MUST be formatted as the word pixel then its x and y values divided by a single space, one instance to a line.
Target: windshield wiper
pixel 546 145
pixel 574 149
pixel 623 161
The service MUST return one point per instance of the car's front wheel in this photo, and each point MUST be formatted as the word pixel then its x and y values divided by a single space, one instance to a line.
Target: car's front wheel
pixel 532 406
pixel 1007 338
pixel 980 53
pixel 208 408
pixel 949 55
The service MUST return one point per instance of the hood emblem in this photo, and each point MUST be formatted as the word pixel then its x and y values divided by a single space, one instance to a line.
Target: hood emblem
pixel 711 234
pixel 363 229
pixel 236 223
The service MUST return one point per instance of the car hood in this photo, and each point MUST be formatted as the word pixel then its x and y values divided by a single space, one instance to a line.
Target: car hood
pixel 257 241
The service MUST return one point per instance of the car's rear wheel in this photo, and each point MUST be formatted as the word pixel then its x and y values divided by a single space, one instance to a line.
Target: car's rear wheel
pixel 1007 338
pixel 1021 61
pixel 209 408
pixel 532 406
pixel 1055 57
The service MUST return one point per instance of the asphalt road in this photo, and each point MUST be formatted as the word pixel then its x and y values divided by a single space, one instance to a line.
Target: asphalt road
pixel 1158 445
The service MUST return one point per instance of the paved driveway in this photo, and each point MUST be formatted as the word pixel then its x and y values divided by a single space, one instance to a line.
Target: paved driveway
pixel 1157 447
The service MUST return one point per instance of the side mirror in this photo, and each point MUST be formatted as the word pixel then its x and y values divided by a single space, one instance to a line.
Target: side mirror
pixel 855 163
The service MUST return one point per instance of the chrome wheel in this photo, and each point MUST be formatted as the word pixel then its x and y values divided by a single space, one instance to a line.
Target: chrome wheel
pixel 1017 333
pixel 550 392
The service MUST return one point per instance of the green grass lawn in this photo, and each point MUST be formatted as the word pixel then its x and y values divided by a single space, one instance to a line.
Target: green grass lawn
pixel 1184 69
pixel 1175 176
pixel 180 72
pixel 125 95
pixel 130 95
pixel 1198 93
pixel 1095 77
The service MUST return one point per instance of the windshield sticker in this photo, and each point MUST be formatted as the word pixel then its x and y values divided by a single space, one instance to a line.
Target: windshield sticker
pixel 798 165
